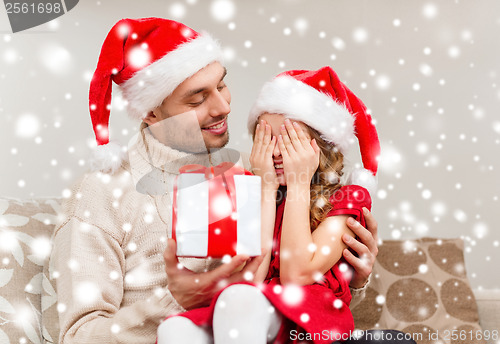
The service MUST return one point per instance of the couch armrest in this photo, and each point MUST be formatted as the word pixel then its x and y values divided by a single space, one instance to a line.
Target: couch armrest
pixel 488 304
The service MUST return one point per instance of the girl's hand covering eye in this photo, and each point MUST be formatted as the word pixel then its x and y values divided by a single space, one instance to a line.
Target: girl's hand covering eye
pixel 261 157
pixel 300 154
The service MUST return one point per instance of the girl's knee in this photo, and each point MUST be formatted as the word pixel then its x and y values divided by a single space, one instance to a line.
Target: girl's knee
pixel 244 310
pixel 178 329
pixel 166 328
pixel 174 322
pixel 241 293
pixel 242 301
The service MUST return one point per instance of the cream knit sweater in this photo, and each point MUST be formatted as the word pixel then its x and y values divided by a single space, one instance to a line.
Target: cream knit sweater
pixel 108 252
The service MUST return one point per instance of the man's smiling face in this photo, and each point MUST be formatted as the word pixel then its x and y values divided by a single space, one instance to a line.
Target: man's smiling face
pixel 207 95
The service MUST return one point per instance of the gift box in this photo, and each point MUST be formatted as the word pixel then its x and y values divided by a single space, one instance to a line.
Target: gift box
pixel 216 211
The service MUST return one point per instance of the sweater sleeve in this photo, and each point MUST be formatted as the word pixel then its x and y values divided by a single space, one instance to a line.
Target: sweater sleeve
pixel 358 294
pixel 91 264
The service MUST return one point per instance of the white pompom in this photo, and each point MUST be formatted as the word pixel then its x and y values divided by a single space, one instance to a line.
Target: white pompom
pixel 364 178
pixel 107 158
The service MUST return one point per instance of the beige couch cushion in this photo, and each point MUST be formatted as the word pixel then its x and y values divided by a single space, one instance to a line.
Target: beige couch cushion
pixel 421 286
pixel 488 304
pixel 50 310
pixel 25 232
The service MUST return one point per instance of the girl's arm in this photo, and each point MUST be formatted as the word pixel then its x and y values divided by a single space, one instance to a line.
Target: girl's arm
pixel 306 256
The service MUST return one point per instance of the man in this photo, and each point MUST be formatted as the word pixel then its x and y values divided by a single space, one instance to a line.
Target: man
pixel 111 275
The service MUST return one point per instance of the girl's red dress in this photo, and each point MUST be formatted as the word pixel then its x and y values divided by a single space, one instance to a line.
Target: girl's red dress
pixel 317 312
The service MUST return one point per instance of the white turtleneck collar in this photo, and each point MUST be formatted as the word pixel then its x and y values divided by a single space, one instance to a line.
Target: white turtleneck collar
pixel 148 156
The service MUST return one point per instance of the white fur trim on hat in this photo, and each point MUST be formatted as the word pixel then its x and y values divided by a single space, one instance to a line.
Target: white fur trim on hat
pixel 147 88
pixel 364 178
pixel 301 102
pixel 107 158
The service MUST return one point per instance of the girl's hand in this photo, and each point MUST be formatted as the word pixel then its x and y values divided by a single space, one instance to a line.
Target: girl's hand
pixel 300 155
pixel 261 157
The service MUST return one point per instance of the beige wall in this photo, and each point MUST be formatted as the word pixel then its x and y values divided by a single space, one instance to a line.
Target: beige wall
pixel 429 71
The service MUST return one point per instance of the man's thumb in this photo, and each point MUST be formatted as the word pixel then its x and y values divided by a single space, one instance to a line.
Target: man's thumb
pixel 233 264
pixel 170 254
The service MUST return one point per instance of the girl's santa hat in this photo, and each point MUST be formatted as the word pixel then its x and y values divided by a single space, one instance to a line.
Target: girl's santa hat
pixel 320 100
pixel 148 58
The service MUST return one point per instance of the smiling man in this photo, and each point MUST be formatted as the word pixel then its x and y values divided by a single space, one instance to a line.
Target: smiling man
pixel 116 272
pixel 207 95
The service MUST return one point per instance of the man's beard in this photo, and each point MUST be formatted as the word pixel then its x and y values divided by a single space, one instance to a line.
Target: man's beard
pixel 214 148
pixel 182 132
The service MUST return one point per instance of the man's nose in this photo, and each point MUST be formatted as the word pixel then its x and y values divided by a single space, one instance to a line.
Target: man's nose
pixel 220 105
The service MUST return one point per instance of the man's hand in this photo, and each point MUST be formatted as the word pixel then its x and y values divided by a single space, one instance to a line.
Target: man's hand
pixel 192 290
pixel 365 246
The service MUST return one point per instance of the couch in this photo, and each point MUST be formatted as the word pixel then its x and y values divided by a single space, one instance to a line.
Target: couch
pixel 418 286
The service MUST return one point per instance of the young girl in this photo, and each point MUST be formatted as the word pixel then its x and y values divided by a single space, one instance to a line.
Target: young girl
pixel 302 123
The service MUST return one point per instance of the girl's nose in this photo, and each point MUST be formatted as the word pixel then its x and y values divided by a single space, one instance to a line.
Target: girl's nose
pixel 276 150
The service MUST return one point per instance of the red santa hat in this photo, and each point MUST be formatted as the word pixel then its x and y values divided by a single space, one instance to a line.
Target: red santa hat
pixel 148 58
pixel 320 100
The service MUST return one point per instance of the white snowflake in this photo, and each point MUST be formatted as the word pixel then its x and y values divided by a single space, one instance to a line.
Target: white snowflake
pixel 292 294
pixel 222 10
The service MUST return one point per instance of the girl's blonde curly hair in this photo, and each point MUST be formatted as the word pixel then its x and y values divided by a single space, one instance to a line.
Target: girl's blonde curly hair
pixel 326 179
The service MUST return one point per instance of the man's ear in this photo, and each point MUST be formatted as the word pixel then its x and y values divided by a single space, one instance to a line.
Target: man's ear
pixel 151 118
